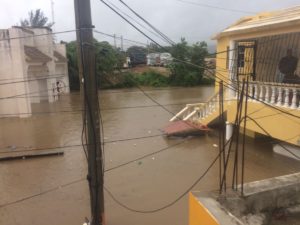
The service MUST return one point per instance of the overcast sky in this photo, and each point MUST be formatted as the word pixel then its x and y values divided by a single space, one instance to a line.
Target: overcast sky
pixel 174 17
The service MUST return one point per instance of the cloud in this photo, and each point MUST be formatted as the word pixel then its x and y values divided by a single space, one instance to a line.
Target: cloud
pixel 176 19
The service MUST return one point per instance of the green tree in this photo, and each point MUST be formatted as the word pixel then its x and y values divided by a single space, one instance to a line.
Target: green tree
pixel 36 19
pixel 184 73
pixel 108 60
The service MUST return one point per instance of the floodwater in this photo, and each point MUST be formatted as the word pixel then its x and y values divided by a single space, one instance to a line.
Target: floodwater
pixel 50 190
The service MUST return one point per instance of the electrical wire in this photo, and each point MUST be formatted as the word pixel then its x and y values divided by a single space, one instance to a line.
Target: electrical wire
pixel 42 193
pixel 216 7
pixel 145 156
pixel 269 135
pixel 40 35
pixel 165 37
pixel 168 204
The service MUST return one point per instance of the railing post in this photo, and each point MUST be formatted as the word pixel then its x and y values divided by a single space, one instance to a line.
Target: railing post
pixel 273 94
pixel 279 99
pixel 261 92
pixel 250 91
pixel 294 100
pixel 255 92
pixel 286 97
pixel 267 96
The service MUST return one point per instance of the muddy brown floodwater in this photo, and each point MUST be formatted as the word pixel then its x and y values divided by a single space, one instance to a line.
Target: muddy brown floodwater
pixel 34 191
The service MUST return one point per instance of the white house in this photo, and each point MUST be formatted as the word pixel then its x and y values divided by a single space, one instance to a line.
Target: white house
pixel 33 68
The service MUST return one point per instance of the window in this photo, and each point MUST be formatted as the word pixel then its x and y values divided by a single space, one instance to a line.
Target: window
pixel 241 56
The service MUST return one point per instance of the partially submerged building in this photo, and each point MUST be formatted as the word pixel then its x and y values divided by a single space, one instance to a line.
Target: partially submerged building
pixel 264 49
pixel 253 48
pixel 33 68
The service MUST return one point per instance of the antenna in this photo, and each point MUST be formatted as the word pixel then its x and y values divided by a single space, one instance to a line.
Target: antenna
pixel 52 13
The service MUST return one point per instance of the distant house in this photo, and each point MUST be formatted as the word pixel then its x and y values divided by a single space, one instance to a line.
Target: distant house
pixel 33 68
pixel 159 59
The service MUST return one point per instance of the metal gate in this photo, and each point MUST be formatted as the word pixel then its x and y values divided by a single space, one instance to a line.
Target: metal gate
pixel 245 60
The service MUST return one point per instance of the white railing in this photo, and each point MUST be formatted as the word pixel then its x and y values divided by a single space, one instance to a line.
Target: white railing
pixel 279 94
pixel 198 111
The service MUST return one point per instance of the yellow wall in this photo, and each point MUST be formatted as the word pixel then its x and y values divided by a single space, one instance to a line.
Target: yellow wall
pixel 198 214
pixel 277 124
pixel 221 71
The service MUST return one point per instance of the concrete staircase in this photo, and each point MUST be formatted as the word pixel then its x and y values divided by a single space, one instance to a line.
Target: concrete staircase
pixel 203 113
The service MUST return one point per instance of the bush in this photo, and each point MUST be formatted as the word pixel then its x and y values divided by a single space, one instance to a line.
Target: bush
pixel 152 78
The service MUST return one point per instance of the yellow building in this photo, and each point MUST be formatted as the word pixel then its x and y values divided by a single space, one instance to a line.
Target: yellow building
pixel 253 48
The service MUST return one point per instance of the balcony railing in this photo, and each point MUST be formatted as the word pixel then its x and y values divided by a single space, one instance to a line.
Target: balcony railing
pixel 284 95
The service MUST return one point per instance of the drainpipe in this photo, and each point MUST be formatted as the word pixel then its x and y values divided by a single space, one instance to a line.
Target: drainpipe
pixel 229 130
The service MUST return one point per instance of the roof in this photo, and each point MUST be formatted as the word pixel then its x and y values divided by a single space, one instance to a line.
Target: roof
pixel 59 57
pixel 263 20
pixel 36 55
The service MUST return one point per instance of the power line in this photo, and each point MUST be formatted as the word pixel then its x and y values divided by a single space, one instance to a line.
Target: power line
pixel 42 193
pixel 130 17
pixel 39 35
pixel 138 29
pixel 145 156
pixel 216 7
pixel 165 37
pixel 168 204
pixel 34 79
pixel 266 132
pixel 202 67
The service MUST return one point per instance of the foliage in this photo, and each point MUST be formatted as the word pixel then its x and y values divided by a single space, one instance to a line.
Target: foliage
pixel 36 19
pixel 188 74
pixel 108 58
pixel 152 78
pixel 109 62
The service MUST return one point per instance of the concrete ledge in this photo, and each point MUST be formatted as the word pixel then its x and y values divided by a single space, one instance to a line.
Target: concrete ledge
pixel 260 200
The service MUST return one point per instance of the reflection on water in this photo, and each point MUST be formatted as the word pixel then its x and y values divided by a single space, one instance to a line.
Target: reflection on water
pixel 145 184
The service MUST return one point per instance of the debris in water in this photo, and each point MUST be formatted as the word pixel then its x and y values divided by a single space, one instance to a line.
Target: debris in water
pixel 215 145
pixel 185 128
pixel 139 163
pixel 153 158
pixel 149 131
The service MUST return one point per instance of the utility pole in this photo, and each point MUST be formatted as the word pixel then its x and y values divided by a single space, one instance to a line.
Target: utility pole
pixel 52 14
pixel 86 59
pixel 115 41
pixel 122 47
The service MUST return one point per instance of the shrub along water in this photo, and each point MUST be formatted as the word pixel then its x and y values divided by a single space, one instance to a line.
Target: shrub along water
pixel 109 63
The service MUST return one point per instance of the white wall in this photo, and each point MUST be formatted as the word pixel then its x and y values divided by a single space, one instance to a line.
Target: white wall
pixel 12 71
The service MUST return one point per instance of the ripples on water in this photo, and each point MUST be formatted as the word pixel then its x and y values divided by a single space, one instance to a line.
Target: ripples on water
pixel 145 184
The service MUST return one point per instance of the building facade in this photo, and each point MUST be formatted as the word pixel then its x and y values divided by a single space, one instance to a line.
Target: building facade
pixel 33 68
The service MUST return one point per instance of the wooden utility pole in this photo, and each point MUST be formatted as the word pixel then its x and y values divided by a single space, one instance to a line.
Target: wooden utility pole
pixel 115 40
pixel 122 44
pixel 86 59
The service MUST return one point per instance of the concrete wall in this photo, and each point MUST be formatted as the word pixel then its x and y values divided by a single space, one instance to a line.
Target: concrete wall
pixel 18 89
pixel 62 68
pixel 12 74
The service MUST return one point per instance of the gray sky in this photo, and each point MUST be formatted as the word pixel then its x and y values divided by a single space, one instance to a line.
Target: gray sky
pixel 175 18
